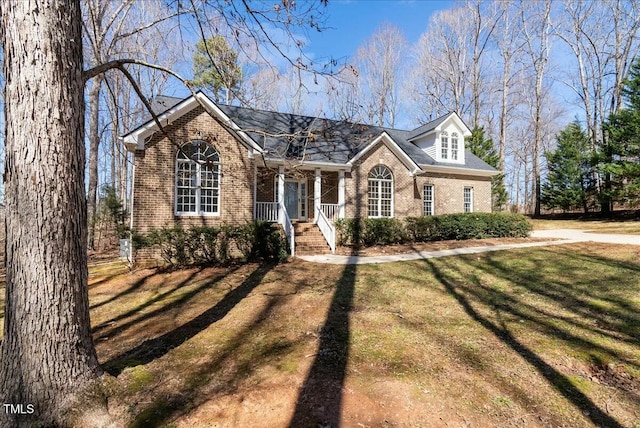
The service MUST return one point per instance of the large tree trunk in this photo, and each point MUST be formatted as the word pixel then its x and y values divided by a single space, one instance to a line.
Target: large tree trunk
pixel 47 354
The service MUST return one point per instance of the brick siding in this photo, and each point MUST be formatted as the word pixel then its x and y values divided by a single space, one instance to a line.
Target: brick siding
pixel 154 188
pixel 408 191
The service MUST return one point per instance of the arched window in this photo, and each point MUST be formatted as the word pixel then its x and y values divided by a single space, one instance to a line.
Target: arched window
pixel 380 192
pixel 454 146
pixel 444 145
pixel 197 179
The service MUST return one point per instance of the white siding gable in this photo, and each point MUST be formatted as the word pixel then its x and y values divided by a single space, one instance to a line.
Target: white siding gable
pixel 454 150
pixel 427 144
pixel 453 133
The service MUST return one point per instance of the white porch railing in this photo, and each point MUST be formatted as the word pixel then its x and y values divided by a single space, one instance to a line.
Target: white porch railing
pixel 267 211
pixel 330 211
pixel 285 221
pixel 327 228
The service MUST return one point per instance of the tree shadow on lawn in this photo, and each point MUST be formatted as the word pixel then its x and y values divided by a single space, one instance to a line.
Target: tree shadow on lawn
pixel 103 327
pixel 601 299
pixel 474 297
pixel 134 287
pixel 155 348
pixel 319 402
pixel 219 372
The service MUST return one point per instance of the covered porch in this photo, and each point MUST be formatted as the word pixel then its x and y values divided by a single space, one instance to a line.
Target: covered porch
pixel 300 195
pixel 304 194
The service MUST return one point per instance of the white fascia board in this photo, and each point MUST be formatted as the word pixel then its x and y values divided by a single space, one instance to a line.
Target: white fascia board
pixel 135 140
pixel 386 139
pixel 466 132
pixel 437 129
pixel 308 165
pixel 129 143
pixel 460 171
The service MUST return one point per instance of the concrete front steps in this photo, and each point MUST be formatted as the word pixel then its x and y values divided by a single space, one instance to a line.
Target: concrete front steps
pixel 309 240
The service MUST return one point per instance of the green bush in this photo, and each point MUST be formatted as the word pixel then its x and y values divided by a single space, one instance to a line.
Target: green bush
pixel 468 226
pixel 204 245
pixel 262 241
pixel 385 231
pixel 420 229
pixel 173 244
pixel 370 231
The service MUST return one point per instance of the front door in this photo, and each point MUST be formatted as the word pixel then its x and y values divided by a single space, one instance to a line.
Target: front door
pixel 295 199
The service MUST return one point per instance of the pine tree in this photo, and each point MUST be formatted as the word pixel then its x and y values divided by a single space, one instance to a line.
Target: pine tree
pixel 485 150
pixel 215 68
pixel 569 184
pixel 620 160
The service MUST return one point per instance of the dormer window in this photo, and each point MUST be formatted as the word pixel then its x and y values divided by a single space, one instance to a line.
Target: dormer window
pixel 454 146
pixel 444 145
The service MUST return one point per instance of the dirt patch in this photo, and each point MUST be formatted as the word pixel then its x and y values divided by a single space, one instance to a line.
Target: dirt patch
pixel 614 376
pixel 385 250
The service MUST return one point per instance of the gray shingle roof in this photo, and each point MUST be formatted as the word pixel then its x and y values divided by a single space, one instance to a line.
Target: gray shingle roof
pixel 429 126
pixel 321 140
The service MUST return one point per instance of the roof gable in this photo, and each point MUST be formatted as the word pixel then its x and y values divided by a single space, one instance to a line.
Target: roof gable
pixel 386 139
pixel 136 139
pixel 437 125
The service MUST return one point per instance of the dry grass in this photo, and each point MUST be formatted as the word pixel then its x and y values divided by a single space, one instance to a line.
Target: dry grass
pixel 627 227
pixel 535 337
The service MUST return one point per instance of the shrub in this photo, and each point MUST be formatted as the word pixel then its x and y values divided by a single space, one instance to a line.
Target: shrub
pixel 370 231
pixel 173 245
pixel 468 226
pixel 420 229
pixel 210 245
pixel 384 231
pixel 262 241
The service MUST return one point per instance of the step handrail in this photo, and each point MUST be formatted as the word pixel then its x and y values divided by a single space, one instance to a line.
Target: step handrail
pixel 327 228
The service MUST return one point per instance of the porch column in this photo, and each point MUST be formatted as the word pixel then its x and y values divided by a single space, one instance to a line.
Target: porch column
pixel 317 195
pixel 280 194
pixel 341 188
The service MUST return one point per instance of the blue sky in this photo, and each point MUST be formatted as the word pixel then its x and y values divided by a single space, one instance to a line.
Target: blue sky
pixel 350 23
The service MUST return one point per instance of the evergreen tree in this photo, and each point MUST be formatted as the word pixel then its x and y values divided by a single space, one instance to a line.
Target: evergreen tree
pixel 569 184
pixel 485 150
pixel 216 69
pixel 620 159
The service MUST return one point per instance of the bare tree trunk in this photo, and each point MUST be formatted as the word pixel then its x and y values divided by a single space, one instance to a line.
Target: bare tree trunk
pixel 94 145
pixel 537 42
pixel 114 161
pixel 47 354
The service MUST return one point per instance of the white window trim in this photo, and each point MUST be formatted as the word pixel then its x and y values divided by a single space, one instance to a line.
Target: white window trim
pixel 198 213
pixel 455 153
pixel 433 199
pixel 464 203
pixel 379 182
pixel 444 145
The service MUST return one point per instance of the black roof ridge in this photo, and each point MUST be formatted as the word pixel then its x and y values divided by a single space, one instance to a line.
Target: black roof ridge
pixel 307 116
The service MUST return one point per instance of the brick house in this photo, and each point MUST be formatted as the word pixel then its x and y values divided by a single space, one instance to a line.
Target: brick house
pixel 216 164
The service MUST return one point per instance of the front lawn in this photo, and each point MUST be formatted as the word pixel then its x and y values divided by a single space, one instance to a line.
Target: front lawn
pixel 628 227
pixel 533 337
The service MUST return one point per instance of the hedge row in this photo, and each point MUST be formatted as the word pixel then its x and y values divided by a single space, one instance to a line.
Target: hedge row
pixel 203 245
pixel 385 231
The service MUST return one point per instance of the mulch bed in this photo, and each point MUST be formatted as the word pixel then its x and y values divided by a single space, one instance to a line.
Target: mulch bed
pixel 382 250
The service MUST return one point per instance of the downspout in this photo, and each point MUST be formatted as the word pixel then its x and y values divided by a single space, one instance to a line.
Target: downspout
pixel 255 187
pixel 133 183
